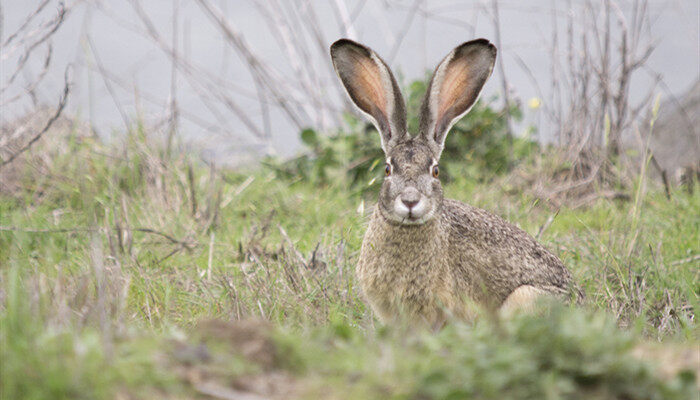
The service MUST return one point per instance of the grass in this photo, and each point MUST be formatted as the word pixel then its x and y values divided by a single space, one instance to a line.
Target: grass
pixel 125 273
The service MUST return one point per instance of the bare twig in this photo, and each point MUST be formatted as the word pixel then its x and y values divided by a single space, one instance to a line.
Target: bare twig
pixel 404 29
pixel 59 109
pixel 201 82
pixel 211 255
pixel 258 69
pixel 501 69
pixel 546 225
pixel 50 29
pixel 174 114
pixel 664 176
pixel 26 23
pixel 217 391
pixel 343 15
pixel 184 243
pixel 590 104
pixel 108 85
pixel 690 259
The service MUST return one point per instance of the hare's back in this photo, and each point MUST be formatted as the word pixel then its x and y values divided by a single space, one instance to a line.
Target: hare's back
pixel 498 254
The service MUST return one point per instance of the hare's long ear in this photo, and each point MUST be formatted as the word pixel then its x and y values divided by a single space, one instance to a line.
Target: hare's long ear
pixel 372 88
pixel 454 89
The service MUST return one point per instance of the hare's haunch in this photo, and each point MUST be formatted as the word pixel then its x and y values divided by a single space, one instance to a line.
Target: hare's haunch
pixel 424 256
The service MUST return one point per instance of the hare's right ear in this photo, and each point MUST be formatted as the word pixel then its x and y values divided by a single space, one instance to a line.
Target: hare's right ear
pixel 372 88
pixel 454 89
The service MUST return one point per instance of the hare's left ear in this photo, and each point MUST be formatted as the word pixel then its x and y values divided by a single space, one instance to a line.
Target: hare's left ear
pixel 454 88
pixel 372 87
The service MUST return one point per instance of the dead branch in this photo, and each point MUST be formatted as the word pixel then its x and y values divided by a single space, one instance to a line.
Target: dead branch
pixel 260 72
pixel 25 24
pixel 108 85
pixel 501 69
pixel 59 109
pixel 593 61
pixel 49 29
pixel 404 29
pixel 183 243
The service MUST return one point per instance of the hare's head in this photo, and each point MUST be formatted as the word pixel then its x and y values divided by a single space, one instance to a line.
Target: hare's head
pixel 411 193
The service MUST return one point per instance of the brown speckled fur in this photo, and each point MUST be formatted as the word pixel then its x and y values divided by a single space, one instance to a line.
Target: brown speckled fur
pixel 466 254
pixel 448 256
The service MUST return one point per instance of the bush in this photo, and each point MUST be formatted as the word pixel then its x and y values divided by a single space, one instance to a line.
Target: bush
pixel 479 143
pixel 564 354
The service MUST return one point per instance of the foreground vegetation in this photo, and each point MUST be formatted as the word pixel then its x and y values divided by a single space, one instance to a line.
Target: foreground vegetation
pixel 127 272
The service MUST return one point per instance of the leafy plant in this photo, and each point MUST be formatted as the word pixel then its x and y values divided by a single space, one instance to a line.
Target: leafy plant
pixel 479 143
pixel 559 355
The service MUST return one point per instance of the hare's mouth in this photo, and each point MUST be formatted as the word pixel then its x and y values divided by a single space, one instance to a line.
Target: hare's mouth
pixel 413 218
pixel 412 213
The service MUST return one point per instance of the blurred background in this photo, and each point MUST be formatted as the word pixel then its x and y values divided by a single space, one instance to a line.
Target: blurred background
pixel 241 79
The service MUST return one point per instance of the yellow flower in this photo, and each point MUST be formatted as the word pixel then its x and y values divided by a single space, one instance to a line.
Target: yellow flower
pixel 534 103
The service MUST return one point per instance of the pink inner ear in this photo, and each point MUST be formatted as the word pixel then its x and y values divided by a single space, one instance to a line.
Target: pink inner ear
pixel 452 95
pixel 368 81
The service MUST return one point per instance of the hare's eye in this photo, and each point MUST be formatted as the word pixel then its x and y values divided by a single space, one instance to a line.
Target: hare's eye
pixel 387 169
pixel 435 171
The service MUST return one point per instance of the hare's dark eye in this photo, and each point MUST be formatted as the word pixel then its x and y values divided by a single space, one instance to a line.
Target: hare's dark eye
pixel 435 171
pixel 387 169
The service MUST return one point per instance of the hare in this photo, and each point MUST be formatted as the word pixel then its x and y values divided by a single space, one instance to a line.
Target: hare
pixel 425 257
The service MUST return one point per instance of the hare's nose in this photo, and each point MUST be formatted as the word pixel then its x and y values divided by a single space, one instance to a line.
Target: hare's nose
pixel 409 203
